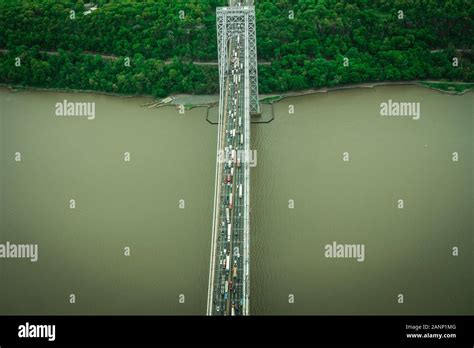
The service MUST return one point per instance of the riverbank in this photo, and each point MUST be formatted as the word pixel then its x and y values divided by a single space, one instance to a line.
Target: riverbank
pixel 435 85
pixel 207 100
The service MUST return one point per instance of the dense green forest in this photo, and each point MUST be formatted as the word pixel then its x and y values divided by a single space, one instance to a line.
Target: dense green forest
pixel 306 42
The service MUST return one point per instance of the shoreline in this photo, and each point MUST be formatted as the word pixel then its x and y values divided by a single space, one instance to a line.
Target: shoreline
pixel 208 100
pixel 369 85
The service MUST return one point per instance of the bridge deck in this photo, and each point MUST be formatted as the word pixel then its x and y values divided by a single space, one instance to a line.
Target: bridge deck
pixel 229 269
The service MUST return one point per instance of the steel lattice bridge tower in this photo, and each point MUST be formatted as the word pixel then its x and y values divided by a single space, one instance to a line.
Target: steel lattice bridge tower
pixel 228 292
pixel 232 21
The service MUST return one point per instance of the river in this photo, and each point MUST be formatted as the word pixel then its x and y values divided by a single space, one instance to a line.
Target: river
pixel 303 197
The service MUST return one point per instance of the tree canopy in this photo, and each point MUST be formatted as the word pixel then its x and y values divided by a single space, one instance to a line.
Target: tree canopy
pixel 310 44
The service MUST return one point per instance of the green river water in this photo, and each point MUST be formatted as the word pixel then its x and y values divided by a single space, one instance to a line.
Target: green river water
pixel 136 204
